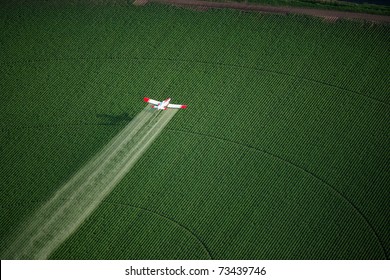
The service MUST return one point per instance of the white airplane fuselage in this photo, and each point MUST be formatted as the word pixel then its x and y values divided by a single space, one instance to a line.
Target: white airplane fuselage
pixel 163 104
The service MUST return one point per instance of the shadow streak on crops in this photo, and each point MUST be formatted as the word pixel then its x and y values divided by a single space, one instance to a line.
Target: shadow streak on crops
pixel 230 65
pixel 10 127
pixel 356 209
pixel 108 119
pixel 56 220
pixel 104 120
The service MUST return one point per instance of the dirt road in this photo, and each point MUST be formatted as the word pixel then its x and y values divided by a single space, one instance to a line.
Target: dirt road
pixel 326 14
pixel 55 221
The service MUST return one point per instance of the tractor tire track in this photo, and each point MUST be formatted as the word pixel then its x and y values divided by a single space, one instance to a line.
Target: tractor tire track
pixel 338 193
pixel 186 229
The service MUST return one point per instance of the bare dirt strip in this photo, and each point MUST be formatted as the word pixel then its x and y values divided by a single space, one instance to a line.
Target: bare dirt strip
pixel 325 14
pixel 56 220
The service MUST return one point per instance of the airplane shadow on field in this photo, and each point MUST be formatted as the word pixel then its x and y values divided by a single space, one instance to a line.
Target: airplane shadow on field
pixel 107 119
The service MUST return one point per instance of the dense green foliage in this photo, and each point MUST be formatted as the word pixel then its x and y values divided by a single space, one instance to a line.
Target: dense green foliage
pixel 282 153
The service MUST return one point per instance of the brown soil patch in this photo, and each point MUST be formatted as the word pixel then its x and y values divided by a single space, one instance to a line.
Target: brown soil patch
pixel 193 8
pixel 331 19
pixel 328 15
pixel 140 2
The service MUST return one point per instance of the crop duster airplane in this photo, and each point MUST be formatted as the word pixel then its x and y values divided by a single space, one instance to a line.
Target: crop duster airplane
pixel 163 105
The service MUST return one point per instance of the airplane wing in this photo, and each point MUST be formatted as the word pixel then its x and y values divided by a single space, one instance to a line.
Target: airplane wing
pixel 177 106
pixel 151 101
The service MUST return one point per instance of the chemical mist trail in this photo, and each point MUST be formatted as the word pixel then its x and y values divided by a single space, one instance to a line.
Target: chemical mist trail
pixel 56 220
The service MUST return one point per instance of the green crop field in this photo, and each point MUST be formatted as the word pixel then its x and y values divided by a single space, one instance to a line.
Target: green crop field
pixel 282 153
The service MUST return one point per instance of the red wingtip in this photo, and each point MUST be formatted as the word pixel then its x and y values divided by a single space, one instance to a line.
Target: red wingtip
pixel 183 106
pixel 146 99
